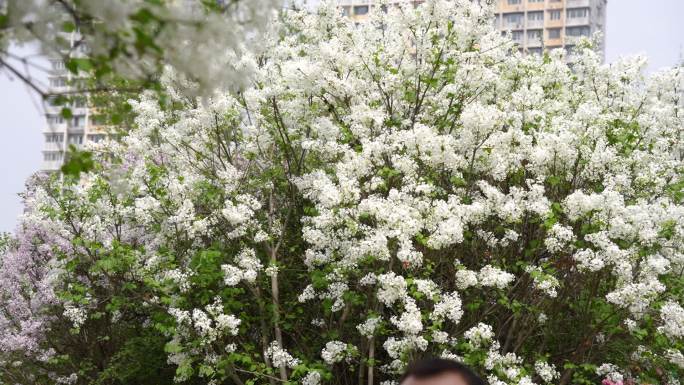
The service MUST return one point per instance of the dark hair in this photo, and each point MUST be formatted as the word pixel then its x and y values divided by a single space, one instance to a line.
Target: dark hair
pixel 431 367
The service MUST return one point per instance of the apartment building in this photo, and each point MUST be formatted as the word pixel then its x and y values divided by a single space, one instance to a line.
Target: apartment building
pixel 534 25
pixel 60 132
pixel 358 10
pixel 548 24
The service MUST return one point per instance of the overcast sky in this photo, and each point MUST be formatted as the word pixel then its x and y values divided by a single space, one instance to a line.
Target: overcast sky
pixel 651 27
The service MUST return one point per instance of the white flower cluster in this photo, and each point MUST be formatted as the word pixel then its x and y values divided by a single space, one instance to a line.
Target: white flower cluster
pixel 507 367
pixel 280 357
pixel 337 351
pixel 479 335
pixel 672 315
pixel 209 324
pixel 248 266
pixel 180 278
pixel 368 327
pixel 542 281
pixel 466 278
pixel 558 238
pixel 494 277
pixel 448 307
pixel 546 371
pixel 676 357
pixel 67 380
pixel 77 315
pixel 396 347
pixel 610 371
pixel 410 321
pixel 637 297
pixel 312 378
pixel 392 288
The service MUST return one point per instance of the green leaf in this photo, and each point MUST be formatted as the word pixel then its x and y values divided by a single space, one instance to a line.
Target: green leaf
pixel 66 113
pixel 77 162
pixel 68 26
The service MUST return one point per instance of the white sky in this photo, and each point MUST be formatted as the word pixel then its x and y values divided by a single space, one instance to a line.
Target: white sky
pixel 650 27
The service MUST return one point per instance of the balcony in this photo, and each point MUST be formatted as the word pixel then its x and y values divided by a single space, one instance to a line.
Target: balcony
pixel 534 24
pixel 52 165
pixel 553 43
pixel 572 40
pixel 53 146
pixel 513 26
pixel 577 3
pixel 554 23
pixel 504 7
pixel 534 42
pixel 535 6
pixel 56 127
pixel 572 21
pixel 52 160
pixel 555 4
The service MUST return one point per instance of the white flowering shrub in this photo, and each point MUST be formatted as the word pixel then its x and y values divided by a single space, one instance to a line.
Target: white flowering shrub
pixel 406 187
pixel 208 41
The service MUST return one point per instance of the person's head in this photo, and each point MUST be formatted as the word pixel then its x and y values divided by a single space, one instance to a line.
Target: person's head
pixel 438 371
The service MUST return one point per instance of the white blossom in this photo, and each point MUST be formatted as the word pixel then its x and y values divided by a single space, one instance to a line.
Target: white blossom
pixel 280 357
pixel 448 307
pixel 479 335
pixel 494 277
pixel 546 371
pixel 336 351
pixel 672 316
pixel 312 378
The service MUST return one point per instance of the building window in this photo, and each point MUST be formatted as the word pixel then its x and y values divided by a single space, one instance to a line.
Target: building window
pixel 577 13
pixel 577 31
pixel 555 14
pixel 532 16
pixel 54 137
pixel 75 139
pixel 535 1
pixel 360 10
pixel 79 103
pixel 534 34
pixel 51 156
pixel 57 65
pixel 514 2
pixel 57 82
pixel 96 137
pixel 78 121
pixel 554 33
pixel 535 51
pixel 53 101
pixel 55 119
pixel 517 35
pixel 345 11
pixel 513 19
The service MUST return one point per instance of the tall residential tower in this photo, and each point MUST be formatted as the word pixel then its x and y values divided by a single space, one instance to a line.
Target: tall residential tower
pixel 534 24
pixel 61 132
pixel 547 24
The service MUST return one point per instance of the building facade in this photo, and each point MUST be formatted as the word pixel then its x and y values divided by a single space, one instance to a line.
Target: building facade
pixel 548 24
pixel 535 25
pixel 61 132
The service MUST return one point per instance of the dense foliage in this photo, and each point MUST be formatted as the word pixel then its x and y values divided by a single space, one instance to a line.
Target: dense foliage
pixel 406 187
